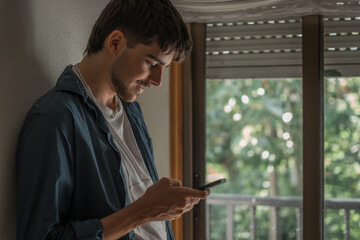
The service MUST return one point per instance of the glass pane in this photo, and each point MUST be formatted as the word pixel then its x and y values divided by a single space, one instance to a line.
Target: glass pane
pixel 254 139
pixel 218 228
pixel 342 154
pixel 254 127
pixel 342 127
pixel 242 223
pixel 355 223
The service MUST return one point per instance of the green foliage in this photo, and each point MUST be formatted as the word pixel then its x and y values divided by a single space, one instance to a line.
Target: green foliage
pixel 247 136
pixel 342 138
pixel 218 222
pixel 254 138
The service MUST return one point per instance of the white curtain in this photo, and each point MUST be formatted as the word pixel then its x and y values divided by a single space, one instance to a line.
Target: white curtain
pixel 250 10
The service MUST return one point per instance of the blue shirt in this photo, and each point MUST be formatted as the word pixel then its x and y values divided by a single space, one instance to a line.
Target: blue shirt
pixel 69 168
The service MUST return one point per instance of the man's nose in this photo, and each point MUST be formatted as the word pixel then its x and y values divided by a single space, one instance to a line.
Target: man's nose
pixel 155 77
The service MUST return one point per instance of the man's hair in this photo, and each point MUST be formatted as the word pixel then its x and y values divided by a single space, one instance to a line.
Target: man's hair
pixel 142 21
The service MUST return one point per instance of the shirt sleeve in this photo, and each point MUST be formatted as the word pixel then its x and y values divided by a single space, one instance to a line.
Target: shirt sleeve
pixel 45 184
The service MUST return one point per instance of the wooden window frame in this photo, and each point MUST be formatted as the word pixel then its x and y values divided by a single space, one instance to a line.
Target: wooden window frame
pixel 187 129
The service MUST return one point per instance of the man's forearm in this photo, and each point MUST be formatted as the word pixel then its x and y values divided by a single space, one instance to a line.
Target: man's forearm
pixel 165 200
pixel 123 221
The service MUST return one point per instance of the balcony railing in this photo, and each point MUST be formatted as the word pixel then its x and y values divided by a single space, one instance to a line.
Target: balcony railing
pixel 232 200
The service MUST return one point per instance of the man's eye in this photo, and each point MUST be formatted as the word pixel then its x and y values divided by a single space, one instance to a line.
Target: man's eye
pixel 150 65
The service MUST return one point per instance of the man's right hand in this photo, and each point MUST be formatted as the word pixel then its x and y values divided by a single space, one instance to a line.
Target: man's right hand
pixel 167 200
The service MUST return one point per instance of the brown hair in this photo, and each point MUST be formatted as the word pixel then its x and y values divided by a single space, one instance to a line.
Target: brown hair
pixel 142 21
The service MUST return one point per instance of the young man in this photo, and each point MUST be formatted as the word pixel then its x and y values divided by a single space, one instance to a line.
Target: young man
pixel 85 162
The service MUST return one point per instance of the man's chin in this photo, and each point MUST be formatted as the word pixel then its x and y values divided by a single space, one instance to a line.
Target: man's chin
pixel 128 99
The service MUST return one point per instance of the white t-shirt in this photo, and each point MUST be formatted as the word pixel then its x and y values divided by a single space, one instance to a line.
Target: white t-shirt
pixel 136 175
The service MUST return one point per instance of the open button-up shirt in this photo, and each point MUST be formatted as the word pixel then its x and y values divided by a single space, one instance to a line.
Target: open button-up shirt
pixel 68 167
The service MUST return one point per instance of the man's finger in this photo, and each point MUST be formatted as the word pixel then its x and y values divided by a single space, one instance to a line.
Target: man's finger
pixel 198 194
pixel 176 183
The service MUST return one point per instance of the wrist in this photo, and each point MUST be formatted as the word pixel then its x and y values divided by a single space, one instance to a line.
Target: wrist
pixel 142 212
pixel 125 220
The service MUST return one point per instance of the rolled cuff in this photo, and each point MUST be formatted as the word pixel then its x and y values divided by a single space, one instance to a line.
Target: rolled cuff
pixel 89 229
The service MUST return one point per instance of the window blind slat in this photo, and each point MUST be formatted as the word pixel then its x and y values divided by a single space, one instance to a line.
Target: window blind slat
pixel 254 30
pixel 342 26
pixel 273 48
pixel 254 44
pixel 342 41
pixel 282 59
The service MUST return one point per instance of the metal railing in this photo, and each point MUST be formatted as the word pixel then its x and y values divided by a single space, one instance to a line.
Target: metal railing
pixel 232 200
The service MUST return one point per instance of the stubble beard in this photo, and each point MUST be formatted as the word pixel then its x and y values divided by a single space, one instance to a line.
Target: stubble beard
pixel 126 92
pixel 118 86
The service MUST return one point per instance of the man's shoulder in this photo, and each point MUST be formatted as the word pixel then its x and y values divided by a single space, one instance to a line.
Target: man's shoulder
pixel 61 106
pixel 64 100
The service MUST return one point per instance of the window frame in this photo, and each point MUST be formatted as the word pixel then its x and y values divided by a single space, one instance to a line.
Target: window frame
pixel 193 128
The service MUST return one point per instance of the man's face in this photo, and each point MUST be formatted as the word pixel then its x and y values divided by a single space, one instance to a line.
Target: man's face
pixel 138 68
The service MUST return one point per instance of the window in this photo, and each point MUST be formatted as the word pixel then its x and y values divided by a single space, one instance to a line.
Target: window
pixel 341 141
pixel 255 114
pixel 253 118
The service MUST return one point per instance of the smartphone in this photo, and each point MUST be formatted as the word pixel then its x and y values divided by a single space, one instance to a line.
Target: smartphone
pixel 212 184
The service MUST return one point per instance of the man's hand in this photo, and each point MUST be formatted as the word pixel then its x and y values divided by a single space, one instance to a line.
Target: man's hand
pixel 167 200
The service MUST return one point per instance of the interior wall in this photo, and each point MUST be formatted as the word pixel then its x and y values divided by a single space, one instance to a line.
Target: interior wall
pixel 38 38
pixel 154 104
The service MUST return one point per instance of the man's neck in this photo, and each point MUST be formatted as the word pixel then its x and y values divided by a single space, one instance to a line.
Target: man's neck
pixel 97 75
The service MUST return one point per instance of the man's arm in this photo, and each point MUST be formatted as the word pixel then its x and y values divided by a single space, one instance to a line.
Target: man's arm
pixel 45 187
pixel 45 184
pixel 165 200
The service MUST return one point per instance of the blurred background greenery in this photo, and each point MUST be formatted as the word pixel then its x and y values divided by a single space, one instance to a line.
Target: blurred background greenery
pixel 254 139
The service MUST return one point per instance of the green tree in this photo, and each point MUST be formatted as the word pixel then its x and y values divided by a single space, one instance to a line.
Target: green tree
pixel 254 138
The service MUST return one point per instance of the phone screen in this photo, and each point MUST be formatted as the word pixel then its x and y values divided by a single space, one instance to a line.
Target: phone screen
pixel 212 184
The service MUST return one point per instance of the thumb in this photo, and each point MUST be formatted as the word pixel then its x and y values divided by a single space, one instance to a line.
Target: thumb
pixel 194 193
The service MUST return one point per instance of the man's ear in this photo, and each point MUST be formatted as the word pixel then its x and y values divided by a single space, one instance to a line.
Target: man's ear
pixel 116 42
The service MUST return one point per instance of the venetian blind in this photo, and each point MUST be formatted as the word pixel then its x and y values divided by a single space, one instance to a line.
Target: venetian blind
pixel 272 48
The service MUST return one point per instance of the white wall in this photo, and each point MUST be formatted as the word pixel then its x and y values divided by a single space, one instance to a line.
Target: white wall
pixel 38 38
pixel 155 106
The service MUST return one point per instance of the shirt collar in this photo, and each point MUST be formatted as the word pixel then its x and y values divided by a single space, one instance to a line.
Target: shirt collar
pixel 68 81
